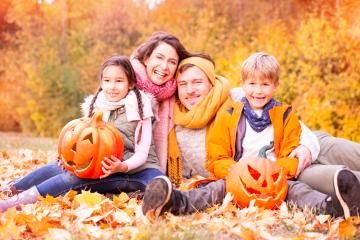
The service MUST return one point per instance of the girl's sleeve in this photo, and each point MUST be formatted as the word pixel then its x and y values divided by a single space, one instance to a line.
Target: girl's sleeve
pixel 141 148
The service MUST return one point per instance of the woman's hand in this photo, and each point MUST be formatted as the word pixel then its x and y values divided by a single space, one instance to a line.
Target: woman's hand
pixel 112 165
pixel 303 154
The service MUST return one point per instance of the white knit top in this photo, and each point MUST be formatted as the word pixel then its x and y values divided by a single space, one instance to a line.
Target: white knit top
pixel 192 146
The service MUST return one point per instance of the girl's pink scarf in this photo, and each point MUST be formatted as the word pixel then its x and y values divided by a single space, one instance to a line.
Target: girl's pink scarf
pixel 165 96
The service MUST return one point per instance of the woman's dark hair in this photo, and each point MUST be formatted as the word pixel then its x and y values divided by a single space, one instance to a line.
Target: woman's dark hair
pixel 145 50
pixel 124 63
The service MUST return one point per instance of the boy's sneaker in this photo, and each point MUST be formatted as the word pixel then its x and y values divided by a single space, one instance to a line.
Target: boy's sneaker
pixel 157 195
pixel 346 199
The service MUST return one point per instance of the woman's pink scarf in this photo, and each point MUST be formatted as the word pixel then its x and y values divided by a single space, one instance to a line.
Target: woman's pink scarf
pixel 164 94
pixel 161 92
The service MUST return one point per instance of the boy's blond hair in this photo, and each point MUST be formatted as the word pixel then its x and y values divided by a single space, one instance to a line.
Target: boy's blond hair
pixel 261 65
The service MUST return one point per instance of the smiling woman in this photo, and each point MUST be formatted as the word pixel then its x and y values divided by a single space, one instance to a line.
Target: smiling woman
pixel 155 63
pixel 162 63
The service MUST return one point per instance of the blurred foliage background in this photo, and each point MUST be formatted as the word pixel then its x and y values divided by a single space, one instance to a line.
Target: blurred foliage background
pixel 51 52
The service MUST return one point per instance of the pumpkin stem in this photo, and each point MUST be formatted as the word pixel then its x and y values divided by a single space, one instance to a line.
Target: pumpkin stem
pixel 262 152
pixel 96 118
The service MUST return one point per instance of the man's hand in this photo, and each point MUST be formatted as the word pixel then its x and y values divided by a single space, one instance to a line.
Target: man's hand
pixel 303 154
pixel 112 165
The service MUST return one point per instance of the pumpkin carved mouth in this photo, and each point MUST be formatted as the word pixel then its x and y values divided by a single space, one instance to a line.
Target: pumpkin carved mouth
pixel 83 144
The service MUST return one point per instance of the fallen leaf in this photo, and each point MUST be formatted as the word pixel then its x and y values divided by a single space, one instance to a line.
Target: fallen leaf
pixel 97 218
pixel 228 198
pixel 121 217
pixel 347 228
pixel 120 200
pixel 151 215
pixel 322 218
pixel 39 228
pixel 58 234
pixel 8 226
pixel 71 195
pixel 284 211
pixel 89 199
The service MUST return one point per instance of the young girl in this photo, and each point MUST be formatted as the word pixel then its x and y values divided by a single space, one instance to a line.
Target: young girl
pixel 155 63
pixel 130 111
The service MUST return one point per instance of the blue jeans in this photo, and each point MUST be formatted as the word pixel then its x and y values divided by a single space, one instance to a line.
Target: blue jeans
pixel 53 180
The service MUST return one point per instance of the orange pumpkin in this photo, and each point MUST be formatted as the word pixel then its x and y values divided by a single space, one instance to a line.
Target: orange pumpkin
pixel 83 144
pixel 258 179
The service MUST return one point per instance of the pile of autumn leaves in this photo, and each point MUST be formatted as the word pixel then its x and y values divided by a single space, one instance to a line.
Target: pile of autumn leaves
pixel 94 216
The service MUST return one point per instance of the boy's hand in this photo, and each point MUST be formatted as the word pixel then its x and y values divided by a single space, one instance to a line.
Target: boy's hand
pixel 112 165
pixel 303 154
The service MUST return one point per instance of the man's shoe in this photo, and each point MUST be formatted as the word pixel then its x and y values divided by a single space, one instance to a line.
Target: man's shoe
pixel 346 199
pixel 157 196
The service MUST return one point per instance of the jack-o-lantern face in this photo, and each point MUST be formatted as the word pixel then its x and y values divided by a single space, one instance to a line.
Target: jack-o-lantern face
pixel 257 179
pixel 83 144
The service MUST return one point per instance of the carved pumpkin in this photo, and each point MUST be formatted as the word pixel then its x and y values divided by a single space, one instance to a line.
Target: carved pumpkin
pixel 83 144
pixel 258 179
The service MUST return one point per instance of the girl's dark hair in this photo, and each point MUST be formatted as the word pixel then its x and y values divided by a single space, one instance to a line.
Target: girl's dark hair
pixel 145 50
pixel 124 63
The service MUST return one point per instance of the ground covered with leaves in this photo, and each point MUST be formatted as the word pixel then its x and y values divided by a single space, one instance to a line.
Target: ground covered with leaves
pixel 89 215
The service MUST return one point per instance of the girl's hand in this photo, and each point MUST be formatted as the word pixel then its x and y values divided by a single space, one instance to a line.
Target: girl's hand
pixel 112 165
pixel 61 165
pixel 303 154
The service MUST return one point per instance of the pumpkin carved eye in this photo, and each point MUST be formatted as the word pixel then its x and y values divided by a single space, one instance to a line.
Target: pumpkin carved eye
pixel 255 174
pixel 89 137
pixel 275 176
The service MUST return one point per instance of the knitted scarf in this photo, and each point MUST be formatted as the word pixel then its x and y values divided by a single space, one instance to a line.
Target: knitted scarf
pixel 129 102
pixel 258 123
pixel 204 112
pixel 161 92
pixel 163 113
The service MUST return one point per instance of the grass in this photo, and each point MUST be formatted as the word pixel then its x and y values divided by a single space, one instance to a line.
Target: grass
pixel 12 141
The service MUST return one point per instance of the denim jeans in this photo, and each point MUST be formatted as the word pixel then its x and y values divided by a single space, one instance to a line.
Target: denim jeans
pixel 53 180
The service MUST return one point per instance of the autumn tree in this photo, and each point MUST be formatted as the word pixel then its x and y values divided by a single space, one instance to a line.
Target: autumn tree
pixel 59 50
